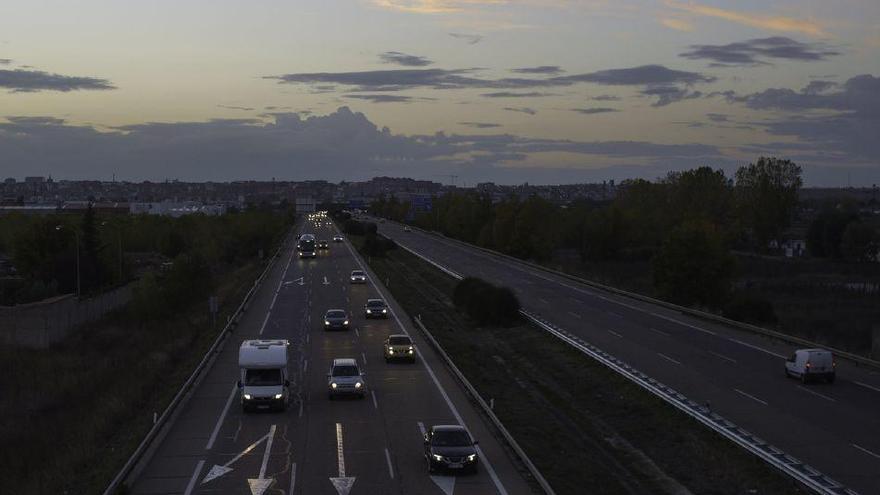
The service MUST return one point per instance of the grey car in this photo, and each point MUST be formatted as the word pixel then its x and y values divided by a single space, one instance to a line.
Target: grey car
pixel 346 378
pixel 450 448
pixel 399 346
pixel 358 277
pixel 335 319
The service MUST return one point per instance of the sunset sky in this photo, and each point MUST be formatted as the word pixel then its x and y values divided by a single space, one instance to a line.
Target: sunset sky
pixel 543 91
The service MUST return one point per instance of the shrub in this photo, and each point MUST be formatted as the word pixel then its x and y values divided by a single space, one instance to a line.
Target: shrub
pixel 750 309
pixel 485 303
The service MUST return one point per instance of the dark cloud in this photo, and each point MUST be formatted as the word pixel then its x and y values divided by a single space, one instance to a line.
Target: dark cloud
pixel 605 98
pixel 667 84
pixel 717 117
pixel 343 145
pixel 530 111
pixel 480 125
pixel 382 98
pixel 666 94
pixel 542 69
pixel 591 111
pixel 5 61
pixel 756 51
pixel 404 59
pixel 470 39
pixel 233 107
pixel 511 94
pixel 29 81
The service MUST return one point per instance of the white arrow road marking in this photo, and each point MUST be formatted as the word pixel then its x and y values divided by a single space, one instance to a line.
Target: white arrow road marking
pixel 342 483
pixel 218 471
pixel 259 485
pixel 326 282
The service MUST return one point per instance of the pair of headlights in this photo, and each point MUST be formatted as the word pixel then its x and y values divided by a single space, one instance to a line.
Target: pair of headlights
pixel 334 386
pixel 249 397
pixel 470 458
pixel 327 322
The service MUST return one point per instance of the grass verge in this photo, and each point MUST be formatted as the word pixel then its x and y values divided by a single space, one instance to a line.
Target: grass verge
pixel 584 426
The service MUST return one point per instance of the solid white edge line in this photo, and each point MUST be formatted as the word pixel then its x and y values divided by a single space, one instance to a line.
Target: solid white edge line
pixel 866 451
pixel 388 459
pixel 875 389
pixel 750 396
pixel 195 476
pixel 492 474
pixel 221 418
pixel 292 478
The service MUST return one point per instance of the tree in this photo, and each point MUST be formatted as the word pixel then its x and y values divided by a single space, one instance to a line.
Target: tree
pixel 825 234
pixel 766 196
pixel 694 266
pixel 701 194
pixel 860 242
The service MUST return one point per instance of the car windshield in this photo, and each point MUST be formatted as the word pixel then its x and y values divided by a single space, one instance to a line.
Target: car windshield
pixel 336 314
pixel 399 341
pixel 345 370
pixel 376 304
pixel 357 273
pixel 455 438
pixel 262 378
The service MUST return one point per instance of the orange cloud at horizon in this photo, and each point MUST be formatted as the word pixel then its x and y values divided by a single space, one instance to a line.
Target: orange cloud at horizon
pixel 772 23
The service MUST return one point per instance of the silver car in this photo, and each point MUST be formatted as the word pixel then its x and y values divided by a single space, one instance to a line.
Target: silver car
pixel 399 346
pixel 345 378
pixel 358 277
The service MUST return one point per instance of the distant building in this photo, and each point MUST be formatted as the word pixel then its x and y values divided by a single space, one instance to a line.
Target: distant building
pixel 305 204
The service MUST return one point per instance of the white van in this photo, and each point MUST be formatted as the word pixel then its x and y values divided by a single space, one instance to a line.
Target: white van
pixel 809 364
pixel 264 381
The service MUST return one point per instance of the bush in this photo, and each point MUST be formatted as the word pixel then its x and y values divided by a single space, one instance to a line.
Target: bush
pixel 750 309
pixel 485 303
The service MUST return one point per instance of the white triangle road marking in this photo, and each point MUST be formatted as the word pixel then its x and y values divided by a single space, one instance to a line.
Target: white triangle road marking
pixel 446 483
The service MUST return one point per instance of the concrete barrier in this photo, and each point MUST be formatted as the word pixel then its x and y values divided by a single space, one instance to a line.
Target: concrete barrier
pixel 41 324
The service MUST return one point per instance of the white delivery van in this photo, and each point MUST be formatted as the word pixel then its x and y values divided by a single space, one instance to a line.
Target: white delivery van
pixel 264 381
pixel 809 364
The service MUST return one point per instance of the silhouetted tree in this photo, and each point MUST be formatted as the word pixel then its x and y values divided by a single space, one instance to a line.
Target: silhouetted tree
pixel 767 194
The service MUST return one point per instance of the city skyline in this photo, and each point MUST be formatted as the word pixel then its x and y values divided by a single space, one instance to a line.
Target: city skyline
pixel 539 91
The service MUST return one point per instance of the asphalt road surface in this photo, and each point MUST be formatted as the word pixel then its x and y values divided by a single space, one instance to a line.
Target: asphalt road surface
pixel 834 428
pixel 374 444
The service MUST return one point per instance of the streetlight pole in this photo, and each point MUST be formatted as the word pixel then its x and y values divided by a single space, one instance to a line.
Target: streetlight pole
pixel 76 237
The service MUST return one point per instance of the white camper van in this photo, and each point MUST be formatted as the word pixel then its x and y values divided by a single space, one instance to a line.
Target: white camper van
pixel 808 364
pixel 264 381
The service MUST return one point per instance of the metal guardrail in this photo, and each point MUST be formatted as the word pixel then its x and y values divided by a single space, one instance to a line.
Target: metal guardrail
pixel 788 465
pixel 539 478
pixel 791 339
pixel 178 399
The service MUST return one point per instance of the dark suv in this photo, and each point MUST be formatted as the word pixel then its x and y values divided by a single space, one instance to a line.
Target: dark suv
pixel 450 447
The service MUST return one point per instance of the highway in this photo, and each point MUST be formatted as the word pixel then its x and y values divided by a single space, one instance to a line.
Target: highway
pixel 372 444
pixel 834 428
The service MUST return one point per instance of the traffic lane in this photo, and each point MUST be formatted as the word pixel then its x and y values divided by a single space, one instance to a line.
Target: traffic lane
pixel 813 415
pixel 172 467
pixel 498 462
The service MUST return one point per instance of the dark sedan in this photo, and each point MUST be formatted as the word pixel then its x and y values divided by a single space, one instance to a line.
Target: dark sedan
pixel 335 319
pixel 375 308
pixel 450 447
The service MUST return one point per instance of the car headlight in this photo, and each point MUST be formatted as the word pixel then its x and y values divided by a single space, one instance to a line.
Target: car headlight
pixel 390 351
pixel 247 396
pixel 437 457
pixel 369 311
pixel 345 322
pixel 384 310
pixel 358 385
pixel 326 322
pixel 472 457
pixel 277 396
pixel 333 385
pixel 410 350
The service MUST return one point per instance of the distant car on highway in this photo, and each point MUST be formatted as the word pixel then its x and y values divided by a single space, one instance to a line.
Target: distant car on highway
pixel 407 229
pixel 450 447
pixel 376 308
pixel 399 346
pixel 323 245
pixel 345 378
pixel 358 277
pixel 335 319
pixel 337 238
pixel 811 364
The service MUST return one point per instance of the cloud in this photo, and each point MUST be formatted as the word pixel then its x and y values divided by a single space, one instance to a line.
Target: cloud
pixel 470 39
pixel 595 110
pixel 343 145
pixel 541 69
pixel 770 23
pixel 404 59
pixel 480 125
pixel 382 98
pixel 677 24
pixel 651 76
pixel 434 6
pixel 605 98
pixel 510 94
pixel 233 107
pixel 29 81
pixel 526 110
pixel 667 94
pixel 842 118
pixel 717 117
pixel 754 52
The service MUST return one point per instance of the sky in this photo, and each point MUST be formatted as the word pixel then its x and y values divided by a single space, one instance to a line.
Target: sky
pixel 538 91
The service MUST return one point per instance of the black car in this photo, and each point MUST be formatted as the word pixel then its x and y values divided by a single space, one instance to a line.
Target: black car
pixel 450 447
pixel 322 244
pixel 335 319
pixel 375 308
